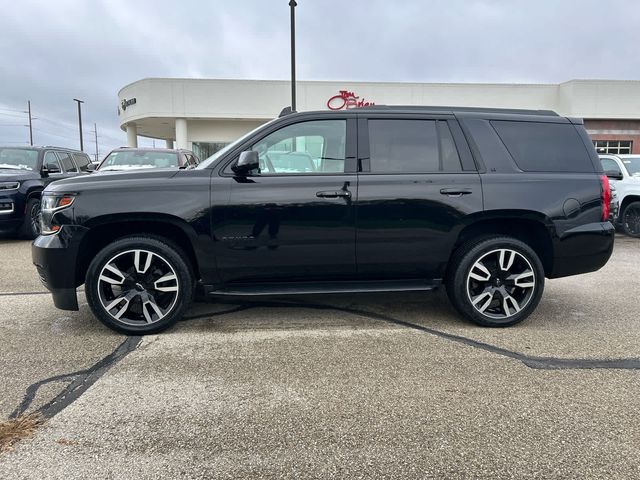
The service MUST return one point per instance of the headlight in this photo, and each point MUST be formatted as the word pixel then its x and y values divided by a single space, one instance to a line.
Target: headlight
pixel 49 206
pixel 4 186
pixel 52 203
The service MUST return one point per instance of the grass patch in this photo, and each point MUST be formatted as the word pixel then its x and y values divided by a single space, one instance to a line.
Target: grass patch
pixel 14 430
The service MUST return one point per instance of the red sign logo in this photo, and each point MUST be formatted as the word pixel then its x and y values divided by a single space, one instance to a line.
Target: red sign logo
pixel 345 100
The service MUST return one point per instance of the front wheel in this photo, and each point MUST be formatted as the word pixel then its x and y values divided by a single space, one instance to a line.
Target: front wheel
pixel 630 219
pixel 139 285
pixel 30 228
pixel 495 281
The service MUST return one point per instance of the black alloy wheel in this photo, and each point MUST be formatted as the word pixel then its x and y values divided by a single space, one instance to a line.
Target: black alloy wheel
pixel 630 219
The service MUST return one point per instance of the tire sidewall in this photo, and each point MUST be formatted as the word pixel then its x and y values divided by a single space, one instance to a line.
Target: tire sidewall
pixel 170 253
pixel 623 222
pixel 27 230
pixel 458 285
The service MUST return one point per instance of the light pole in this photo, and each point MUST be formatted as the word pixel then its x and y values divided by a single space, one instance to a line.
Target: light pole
pixel 293 4
pixel 95 132
pixel 30 124
pixel 80 121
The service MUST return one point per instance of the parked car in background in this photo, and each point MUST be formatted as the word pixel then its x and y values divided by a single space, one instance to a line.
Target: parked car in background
pixel 624 173
pixel 24 173
pixel 614 209
pixel 126 158
pixel 486 202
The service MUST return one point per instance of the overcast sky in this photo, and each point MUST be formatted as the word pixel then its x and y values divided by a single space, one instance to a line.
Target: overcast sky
pixel 52 51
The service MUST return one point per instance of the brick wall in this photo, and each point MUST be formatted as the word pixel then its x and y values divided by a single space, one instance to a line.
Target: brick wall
pixel 615 130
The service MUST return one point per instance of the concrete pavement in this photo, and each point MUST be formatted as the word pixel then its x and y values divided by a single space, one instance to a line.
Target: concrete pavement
pixel 367 386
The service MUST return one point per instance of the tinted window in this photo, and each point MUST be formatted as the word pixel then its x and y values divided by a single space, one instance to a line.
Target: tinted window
pixel 51 159
pixel 412 146
pixel 82 160
pixel 67 163
pixel 544 147
pixel 314 147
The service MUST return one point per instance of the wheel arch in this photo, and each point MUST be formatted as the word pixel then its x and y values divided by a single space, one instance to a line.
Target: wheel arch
pixel 533 228
pixel 106 229
pixel 632 197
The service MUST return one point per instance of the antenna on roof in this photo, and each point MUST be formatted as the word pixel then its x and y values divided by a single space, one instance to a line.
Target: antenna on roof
pixel 286 111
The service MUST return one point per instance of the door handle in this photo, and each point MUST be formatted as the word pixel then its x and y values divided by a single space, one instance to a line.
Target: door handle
pixel 334 194
pixel 456 192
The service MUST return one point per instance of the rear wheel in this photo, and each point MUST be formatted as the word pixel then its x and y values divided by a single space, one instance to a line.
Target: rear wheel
pixel 31 224
pixel 495 281
pixel 139 285
pixel 630 219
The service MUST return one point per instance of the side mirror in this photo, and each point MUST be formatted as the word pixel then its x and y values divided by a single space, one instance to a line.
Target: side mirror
pixel 50 168
pixel 248 161
pixel 614 175
pixel 92 167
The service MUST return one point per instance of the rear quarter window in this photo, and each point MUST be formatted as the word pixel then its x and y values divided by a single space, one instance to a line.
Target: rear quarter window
pixel 544 147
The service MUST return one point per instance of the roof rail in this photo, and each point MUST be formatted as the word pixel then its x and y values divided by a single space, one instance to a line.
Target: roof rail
pixel 427 108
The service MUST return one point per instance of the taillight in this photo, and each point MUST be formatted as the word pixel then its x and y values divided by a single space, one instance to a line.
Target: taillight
pixel 606 197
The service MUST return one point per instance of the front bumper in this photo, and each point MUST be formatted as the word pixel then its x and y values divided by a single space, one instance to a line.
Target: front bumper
pixel 56 258
pixel 583 249
pixel 12 205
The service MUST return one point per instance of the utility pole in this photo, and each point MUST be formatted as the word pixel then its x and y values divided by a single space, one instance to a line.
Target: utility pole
pixel 80 121
pixel 293 4
pixel 95 131
pixel 30 124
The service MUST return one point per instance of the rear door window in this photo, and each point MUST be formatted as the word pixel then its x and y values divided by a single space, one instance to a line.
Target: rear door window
pixel 544 147
pixel 67 162
pixel 82 161
pixel 412 146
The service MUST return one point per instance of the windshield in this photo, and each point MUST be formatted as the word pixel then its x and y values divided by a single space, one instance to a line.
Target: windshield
pixel 632 164
pixel 129 159
pixel 208 162
pixel 18 158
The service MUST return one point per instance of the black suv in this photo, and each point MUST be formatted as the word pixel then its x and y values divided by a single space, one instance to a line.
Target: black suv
pixel 129 158
pixel 488 202
pixel 24 172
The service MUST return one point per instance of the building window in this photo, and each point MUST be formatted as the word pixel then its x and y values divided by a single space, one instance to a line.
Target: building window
pixel 206 149
pixel 614 147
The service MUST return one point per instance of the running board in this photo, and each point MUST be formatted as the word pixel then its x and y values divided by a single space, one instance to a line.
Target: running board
pixel 305 288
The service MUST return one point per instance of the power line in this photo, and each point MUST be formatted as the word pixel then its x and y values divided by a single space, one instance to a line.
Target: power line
pixel 12 110
pixel 13 115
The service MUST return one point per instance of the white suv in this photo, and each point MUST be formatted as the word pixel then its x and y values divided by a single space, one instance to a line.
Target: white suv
pixel 624 172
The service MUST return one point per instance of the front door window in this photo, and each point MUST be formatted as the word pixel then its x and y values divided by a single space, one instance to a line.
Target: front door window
pixel 307 148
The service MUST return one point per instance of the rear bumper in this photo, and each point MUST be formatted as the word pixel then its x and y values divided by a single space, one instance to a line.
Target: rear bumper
pixel 583 249
pixel 55 258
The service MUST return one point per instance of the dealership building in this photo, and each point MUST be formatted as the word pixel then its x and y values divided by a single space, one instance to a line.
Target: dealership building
pixel 206 114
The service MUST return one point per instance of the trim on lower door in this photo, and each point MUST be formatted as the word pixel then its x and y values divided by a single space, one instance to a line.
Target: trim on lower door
pixel 302 288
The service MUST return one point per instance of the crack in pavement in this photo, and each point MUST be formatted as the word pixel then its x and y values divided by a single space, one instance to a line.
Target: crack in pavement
pixel 535 362
pixel 82 380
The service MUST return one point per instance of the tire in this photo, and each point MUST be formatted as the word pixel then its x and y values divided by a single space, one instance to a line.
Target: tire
pixel 30 227
pixel 502 297
pixel 139 285
pixel 630 219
